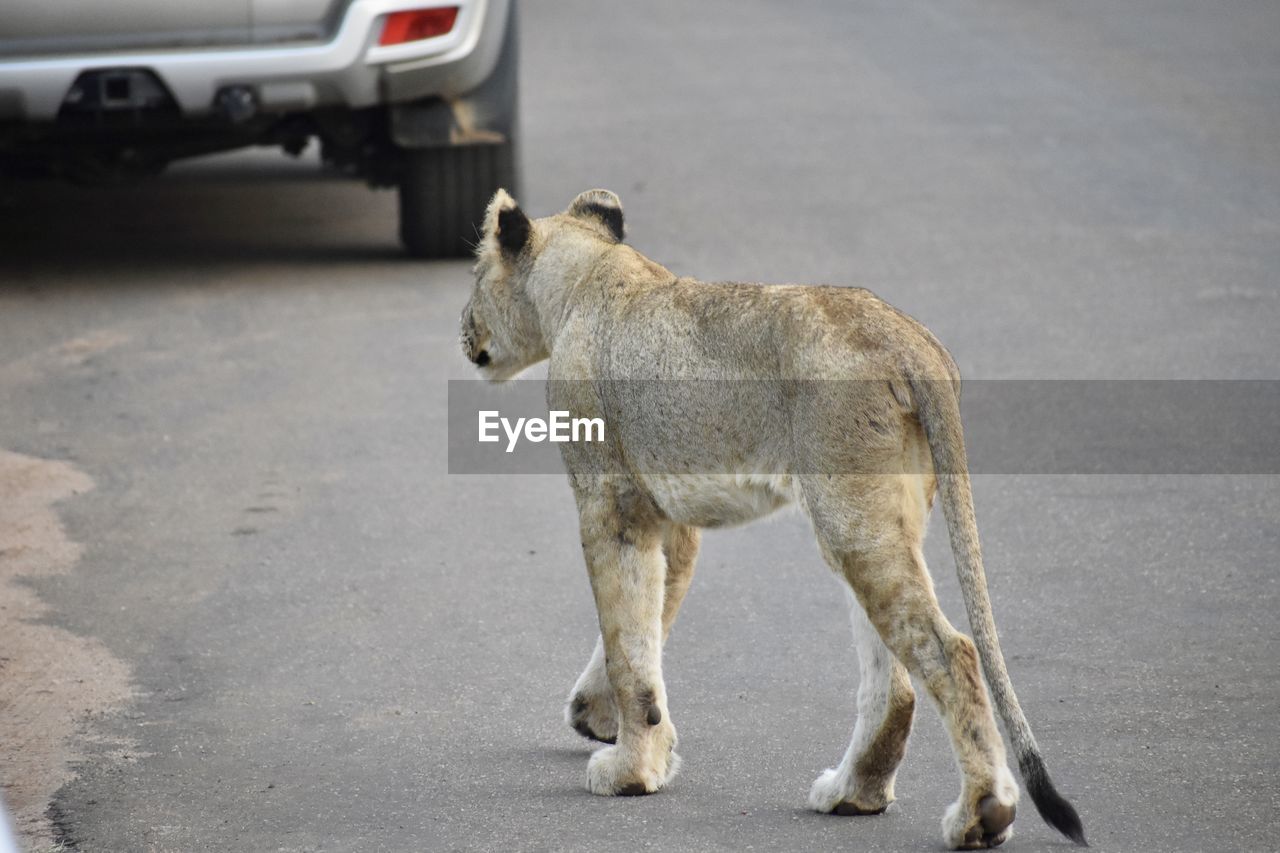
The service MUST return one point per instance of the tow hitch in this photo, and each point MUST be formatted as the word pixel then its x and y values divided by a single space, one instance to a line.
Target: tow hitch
pixel 116 94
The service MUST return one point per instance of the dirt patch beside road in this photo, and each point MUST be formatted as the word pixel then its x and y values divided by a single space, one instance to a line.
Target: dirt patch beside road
pixel 51 681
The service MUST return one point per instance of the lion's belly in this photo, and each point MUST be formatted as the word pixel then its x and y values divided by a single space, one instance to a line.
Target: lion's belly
pixel 719 500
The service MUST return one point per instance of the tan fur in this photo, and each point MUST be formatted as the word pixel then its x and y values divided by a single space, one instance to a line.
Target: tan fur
pixel 857 458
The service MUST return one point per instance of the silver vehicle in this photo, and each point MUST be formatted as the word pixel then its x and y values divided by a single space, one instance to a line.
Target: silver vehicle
pixel 416 94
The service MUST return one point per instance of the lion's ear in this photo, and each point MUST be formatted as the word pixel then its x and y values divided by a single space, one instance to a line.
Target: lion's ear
pixel 507 222
pixel 600 206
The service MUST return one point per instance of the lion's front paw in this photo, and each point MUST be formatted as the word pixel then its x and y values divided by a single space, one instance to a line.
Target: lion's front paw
pixel 593 716
pixel 615 772
pixel 831 794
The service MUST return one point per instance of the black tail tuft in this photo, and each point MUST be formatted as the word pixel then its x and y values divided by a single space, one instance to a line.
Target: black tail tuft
pixel 1055 810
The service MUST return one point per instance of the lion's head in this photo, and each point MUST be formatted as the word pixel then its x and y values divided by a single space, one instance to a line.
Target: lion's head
pixel 522 264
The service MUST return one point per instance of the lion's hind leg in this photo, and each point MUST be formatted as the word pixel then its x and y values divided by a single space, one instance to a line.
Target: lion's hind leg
pixel 871 530
pixel 863 782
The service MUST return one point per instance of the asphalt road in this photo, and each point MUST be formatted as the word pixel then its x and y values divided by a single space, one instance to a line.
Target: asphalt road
pixel 333 645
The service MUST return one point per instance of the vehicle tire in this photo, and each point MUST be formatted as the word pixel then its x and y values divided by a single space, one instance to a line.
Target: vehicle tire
pixel 443 193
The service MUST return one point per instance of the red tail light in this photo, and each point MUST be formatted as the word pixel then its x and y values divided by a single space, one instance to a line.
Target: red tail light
pixel 418 24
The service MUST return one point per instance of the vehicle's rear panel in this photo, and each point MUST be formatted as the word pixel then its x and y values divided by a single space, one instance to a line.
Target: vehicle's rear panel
pixel 62 27
pixel 276 21
pixel 31 28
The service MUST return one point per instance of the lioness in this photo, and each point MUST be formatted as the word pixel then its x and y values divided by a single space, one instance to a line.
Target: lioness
pixel 566 288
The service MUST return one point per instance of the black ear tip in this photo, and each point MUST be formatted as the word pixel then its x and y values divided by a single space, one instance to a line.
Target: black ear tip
pixel 603 207
pixel 612 218
pixel 513 229
pixel 609 214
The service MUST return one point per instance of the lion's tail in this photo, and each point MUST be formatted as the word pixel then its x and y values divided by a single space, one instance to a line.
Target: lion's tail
pixel 938 405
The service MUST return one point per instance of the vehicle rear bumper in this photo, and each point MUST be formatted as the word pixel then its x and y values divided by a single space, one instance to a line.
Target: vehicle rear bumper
pixel 351 69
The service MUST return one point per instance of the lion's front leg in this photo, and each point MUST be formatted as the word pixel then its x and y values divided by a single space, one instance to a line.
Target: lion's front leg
pixel 590 710
pixel 627 568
